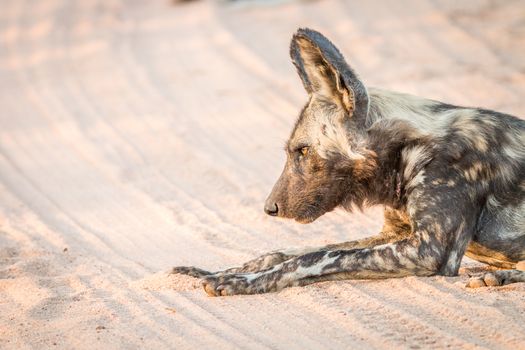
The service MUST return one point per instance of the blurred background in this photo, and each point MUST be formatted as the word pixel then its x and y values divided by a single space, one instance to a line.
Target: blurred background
pixel 137 135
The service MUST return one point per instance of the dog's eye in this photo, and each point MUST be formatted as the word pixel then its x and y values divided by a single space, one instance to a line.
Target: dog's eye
pixel 304 151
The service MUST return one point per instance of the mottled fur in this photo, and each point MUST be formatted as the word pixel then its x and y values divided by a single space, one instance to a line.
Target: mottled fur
pixel 451 180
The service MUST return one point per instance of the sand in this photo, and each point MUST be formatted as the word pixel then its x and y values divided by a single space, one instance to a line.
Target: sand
pixel 140 135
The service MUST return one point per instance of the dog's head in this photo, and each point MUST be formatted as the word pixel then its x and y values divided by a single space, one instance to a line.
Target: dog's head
pixel 326 159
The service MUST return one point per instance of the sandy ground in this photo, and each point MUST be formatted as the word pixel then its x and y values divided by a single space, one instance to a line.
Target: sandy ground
pixel 139 135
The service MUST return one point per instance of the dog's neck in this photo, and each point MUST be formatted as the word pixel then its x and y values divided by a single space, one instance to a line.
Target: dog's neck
pixel 393 135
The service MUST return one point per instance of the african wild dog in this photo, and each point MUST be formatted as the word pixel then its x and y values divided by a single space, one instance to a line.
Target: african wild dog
pixel 452 180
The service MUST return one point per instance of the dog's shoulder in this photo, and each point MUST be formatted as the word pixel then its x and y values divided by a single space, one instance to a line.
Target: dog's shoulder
pixel 475 146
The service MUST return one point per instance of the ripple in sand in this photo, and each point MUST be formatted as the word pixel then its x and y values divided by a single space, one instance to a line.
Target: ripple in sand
pixel 167 281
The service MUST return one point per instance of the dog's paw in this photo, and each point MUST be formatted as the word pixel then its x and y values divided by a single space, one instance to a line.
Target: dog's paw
pixel 230 284
pixel 497 278
pixel 191 271
pixel 489 279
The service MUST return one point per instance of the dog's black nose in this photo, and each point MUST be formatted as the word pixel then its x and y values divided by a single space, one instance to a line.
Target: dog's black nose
pixel 271 209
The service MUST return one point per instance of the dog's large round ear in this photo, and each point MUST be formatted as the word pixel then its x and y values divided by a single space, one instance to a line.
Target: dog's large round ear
pixel 324 72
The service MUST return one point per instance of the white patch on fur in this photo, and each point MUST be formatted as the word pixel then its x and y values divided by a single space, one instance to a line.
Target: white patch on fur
pixel 411 109
pixel 516 148
pixel 303 272
pixel 416 180
pixel 417 111
pixel 315 269
pixel 251 276
pixel 412 157
pixel 453 262
pixel 512 152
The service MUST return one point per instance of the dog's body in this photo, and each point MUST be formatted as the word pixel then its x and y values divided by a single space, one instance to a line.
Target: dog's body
pixel 452 181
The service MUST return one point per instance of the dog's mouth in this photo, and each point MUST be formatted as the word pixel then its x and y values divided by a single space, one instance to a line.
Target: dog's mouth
pixel 313 212
pixel 306 215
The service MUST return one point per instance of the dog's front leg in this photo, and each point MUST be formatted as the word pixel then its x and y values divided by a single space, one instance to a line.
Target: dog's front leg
pixel 396 227
pixel 271 259
pixel 404 258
